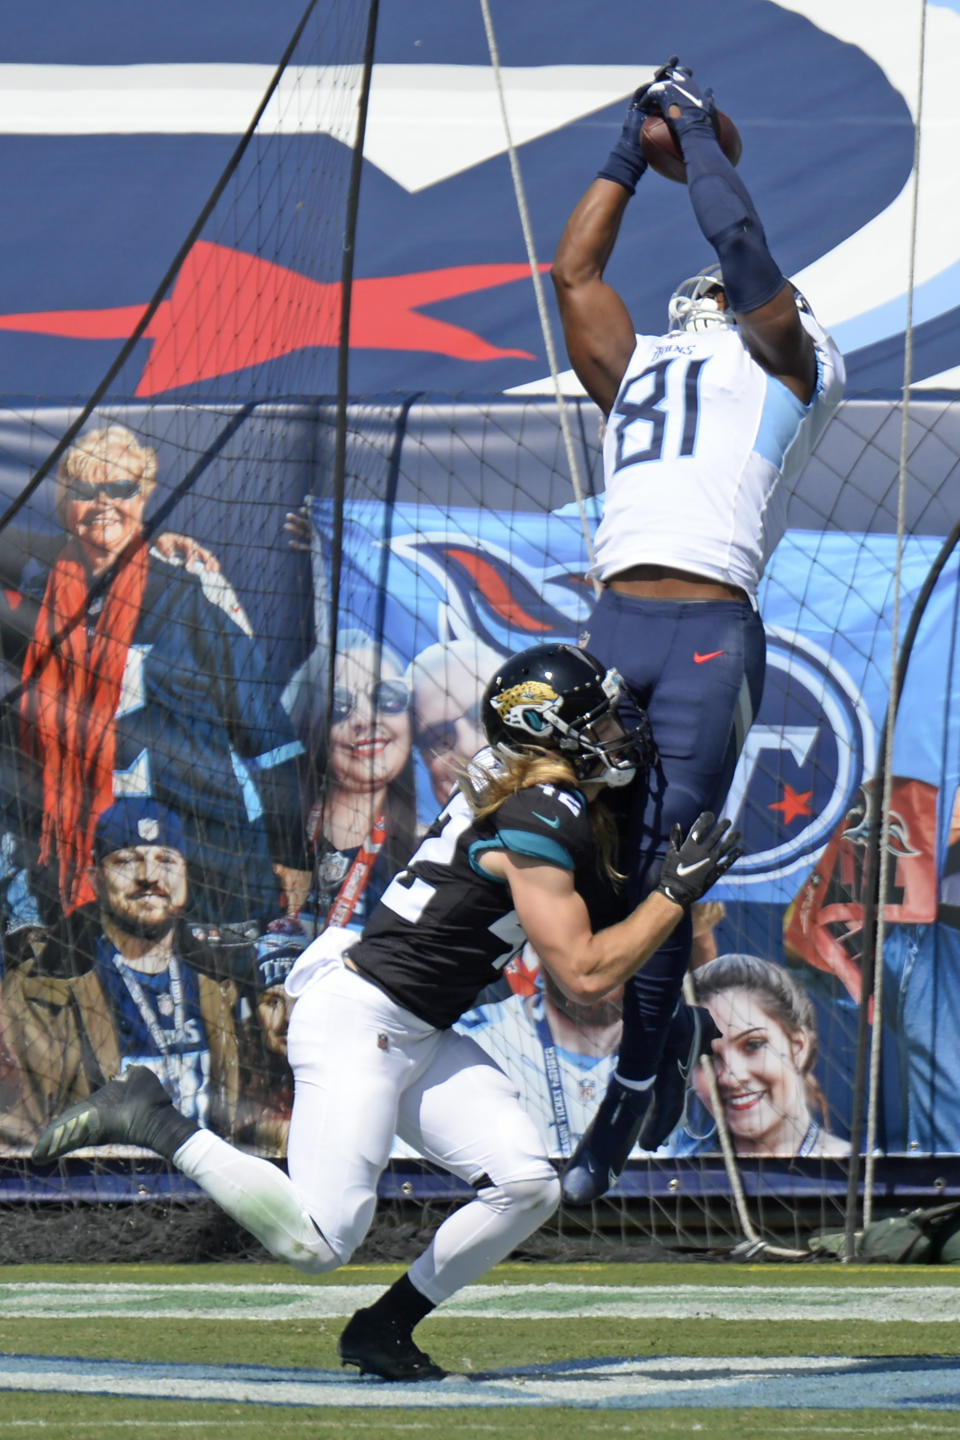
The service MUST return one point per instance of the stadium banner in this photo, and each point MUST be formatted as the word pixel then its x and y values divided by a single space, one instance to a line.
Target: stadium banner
pixel 456 542
pixel 423 570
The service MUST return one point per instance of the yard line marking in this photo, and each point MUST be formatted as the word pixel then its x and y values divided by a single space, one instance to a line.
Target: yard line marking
pixel 883 1304
pixel 674 1382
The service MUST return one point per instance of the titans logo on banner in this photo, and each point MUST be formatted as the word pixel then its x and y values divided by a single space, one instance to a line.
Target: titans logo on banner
pixel 803 759
pixel 418 575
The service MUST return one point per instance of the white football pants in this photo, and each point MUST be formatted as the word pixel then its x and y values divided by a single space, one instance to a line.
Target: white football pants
pixel 365 1069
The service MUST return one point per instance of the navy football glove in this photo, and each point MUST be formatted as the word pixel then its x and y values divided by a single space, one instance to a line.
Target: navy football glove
pixel 640 97
pixel 693 864
pixel 677 87
pixel 626 163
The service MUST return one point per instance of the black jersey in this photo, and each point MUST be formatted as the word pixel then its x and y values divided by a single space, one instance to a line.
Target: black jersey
pixel 445 928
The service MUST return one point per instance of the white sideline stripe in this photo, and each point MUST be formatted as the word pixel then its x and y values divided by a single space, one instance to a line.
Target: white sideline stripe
pixel 188 99
pixel 884 1304
pixel 782 1382
pixel 425 122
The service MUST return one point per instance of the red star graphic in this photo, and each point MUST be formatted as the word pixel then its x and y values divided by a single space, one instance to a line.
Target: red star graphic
pixel 228 311
pixel 793 804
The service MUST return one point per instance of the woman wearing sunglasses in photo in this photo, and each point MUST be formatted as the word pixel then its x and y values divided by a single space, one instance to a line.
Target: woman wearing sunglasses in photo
pixel 362 820
pixel 142 677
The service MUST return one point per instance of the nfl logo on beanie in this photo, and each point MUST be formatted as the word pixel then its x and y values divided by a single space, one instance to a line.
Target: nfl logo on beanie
pixel 137 820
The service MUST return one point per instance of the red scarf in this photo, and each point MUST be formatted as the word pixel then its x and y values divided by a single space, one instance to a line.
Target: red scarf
pixel 71 688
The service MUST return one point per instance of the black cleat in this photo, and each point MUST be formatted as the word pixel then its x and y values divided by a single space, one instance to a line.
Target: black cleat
pixel 132 1110
pixel 628 1117
pixel 379 1347
pixel 605 1144
pixel 691 1034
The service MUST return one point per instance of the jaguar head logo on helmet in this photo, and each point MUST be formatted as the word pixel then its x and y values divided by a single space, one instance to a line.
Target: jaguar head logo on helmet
pixel 557 697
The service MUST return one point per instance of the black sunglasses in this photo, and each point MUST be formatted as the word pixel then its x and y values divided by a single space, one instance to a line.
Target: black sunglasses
pixel 113 489
pixel 389 697
pixel 441 738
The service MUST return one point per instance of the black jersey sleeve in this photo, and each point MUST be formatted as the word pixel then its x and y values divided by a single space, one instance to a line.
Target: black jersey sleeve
pixel 545 823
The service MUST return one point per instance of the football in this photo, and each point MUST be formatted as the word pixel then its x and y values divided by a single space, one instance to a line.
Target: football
pixel 661 152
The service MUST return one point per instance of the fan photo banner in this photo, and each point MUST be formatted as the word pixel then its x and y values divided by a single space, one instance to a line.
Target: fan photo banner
pixel 421 577
pixel 229 751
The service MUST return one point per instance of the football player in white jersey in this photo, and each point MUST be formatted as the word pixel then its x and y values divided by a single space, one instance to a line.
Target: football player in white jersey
pixel 371 1042
pixel 706 425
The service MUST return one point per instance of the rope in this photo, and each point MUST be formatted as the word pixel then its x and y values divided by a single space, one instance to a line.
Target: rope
pixel 524 213
pixel 755 1244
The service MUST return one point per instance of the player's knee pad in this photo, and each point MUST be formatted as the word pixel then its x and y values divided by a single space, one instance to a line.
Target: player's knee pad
pixel 346 1241
pixel 310 1251
pixel 538 1194
pixel 315 1262
pixel 336 1238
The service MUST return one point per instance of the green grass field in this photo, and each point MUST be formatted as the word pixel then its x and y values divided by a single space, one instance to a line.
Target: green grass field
pixel 721 1350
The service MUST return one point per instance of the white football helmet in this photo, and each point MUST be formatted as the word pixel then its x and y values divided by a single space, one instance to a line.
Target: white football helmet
pixel 693 306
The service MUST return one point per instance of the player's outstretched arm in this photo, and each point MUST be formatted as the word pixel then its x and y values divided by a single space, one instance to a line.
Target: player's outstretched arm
pixel 756 290
pixel 587 964
pixel 597 327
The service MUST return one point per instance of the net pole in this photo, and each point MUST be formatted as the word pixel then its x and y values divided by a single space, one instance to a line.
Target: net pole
pixel 524 213
pixel 343 351
pixel 329 575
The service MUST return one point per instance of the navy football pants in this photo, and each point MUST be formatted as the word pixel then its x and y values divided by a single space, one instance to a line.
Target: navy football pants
pixel 696 667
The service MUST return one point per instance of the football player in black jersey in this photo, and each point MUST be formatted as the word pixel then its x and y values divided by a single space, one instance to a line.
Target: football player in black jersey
pixel 370 1041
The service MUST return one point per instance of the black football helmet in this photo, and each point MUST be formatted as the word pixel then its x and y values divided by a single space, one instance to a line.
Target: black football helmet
pixel 554 697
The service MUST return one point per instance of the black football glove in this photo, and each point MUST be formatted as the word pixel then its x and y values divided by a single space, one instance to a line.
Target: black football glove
pixel 693 864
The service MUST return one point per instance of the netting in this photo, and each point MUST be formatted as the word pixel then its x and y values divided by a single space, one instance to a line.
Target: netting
pixel 153 607
pixel 304 551
pixel 477 545
pixel 458 544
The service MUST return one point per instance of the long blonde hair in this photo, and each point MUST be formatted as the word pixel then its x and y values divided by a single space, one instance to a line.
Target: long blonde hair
pixel 487 791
